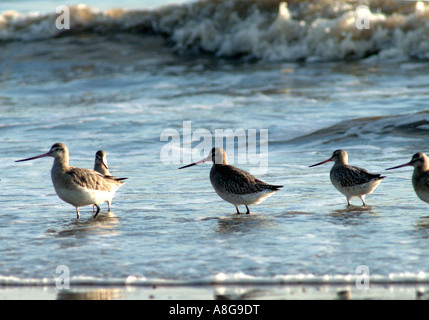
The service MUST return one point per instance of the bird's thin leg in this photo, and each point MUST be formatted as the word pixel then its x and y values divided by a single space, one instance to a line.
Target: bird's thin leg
pixel 77 213
pixel 238 211
pixel 248 211
pixel 98 210
pixel 348 202
pixel 363 200
pixel 108 206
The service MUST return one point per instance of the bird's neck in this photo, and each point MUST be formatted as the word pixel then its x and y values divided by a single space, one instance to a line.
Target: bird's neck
pixel 341 162
pixel 61 164
pixel 421 169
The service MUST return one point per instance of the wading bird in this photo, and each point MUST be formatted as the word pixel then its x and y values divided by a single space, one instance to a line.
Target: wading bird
pixel 234 185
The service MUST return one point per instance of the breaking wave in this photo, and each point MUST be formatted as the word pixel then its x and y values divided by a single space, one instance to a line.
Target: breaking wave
pixel 413 126
pixel 267 30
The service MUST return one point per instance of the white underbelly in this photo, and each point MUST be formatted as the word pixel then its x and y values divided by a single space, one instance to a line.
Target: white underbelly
pixel 245 199
pixel 356 190
pixel 84 197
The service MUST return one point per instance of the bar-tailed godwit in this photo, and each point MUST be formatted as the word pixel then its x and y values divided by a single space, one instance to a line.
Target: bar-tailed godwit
pixel 100 163
pixel 420 178
pixel 349 180
pixel 235 185
pixel 76 186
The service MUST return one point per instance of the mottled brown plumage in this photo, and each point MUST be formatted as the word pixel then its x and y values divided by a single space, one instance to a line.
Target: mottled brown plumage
pixel 349 176
pixel 234 185
pixel 77 186
pixel 239 181
pixel 87 178
pixel 350 180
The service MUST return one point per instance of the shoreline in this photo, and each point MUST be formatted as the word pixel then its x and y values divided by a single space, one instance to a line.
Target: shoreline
pixel 411 291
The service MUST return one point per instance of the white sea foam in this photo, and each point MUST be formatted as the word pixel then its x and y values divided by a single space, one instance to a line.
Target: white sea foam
pixel 267 30
pixel 226 279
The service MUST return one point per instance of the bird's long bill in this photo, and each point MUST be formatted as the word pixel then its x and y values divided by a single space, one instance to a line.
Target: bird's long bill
pixel 318 164
pixel 198 162
pixel 36 157
pixel 102 162
pixel 400 166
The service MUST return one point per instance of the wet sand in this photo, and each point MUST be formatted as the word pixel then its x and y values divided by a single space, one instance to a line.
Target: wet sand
pixel 219 292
